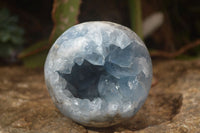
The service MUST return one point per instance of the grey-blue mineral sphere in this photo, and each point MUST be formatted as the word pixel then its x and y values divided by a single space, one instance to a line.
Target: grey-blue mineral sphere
pixel 98 73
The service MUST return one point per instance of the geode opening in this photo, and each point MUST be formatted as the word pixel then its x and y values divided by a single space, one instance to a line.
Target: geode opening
pixel 83 80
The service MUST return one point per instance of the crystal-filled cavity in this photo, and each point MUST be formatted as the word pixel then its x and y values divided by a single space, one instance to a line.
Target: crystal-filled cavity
pixel 98 73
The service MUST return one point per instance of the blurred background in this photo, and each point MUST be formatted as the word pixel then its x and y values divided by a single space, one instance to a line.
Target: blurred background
pixel 28 28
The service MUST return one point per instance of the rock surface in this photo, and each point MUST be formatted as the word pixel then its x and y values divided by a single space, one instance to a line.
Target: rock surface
pixel 172 105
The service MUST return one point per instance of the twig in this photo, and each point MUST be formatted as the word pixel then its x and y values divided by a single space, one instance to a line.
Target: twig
pixel 154 82
pixel 46 47
pixel 177 53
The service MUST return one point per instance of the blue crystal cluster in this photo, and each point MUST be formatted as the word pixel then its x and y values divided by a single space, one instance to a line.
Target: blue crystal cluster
pixel 98 73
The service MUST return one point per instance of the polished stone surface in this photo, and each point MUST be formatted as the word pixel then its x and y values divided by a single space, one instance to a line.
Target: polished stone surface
pixel 98 73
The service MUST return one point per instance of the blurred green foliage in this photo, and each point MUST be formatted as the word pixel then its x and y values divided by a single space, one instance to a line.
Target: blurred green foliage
pixel 11 35
pixel 183 15
pixel 35 60
pixel 64 14
pixel 136 16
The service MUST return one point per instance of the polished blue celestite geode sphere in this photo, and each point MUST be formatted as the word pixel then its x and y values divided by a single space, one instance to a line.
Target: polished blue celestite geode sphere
pixel 98 73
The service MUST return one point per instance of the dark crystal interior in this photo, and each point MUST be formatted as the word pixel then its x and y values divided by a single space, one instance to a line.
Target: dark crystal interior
pixel 83 80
